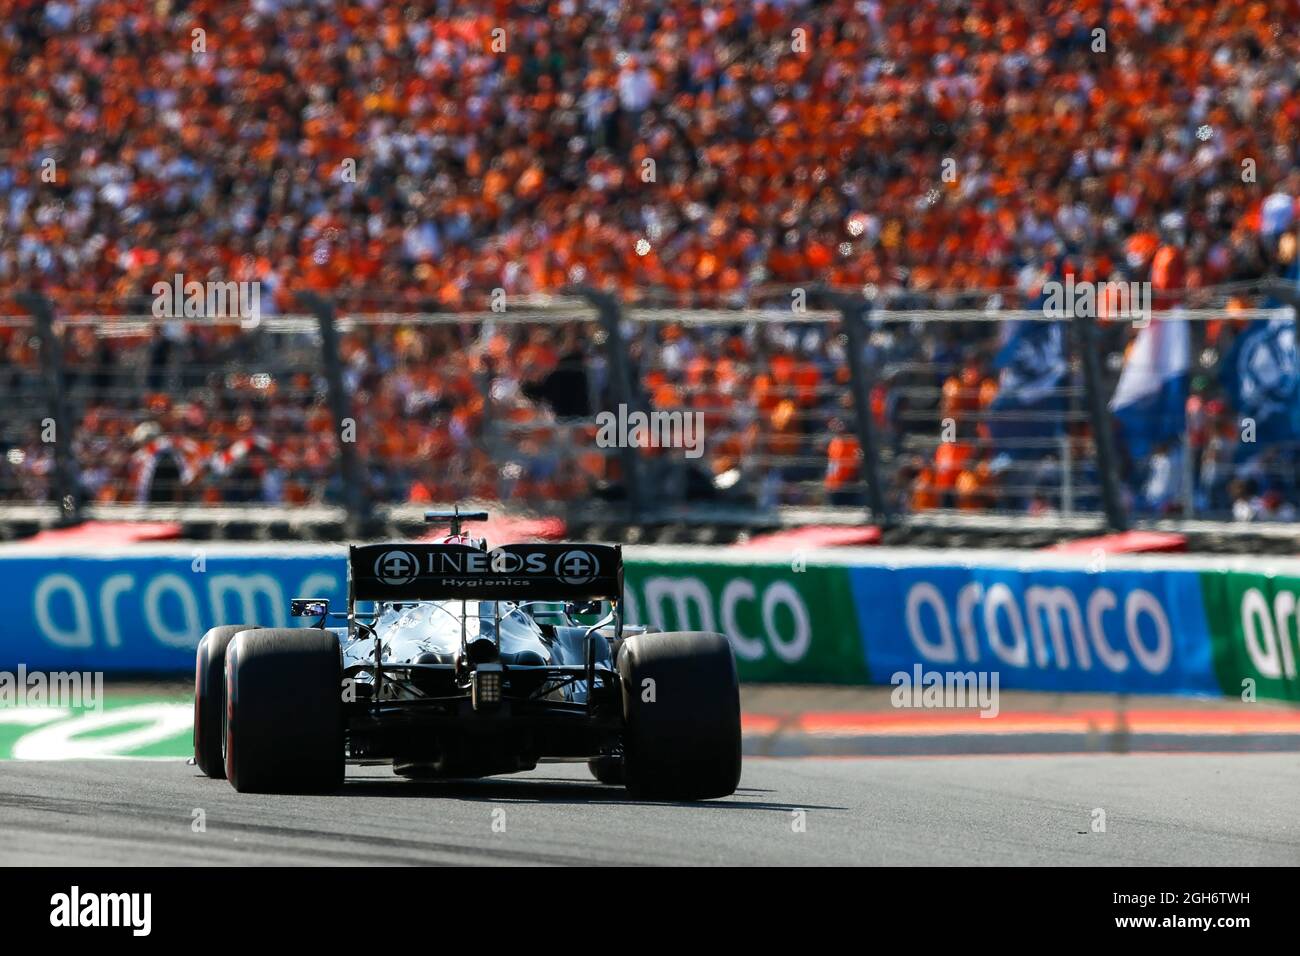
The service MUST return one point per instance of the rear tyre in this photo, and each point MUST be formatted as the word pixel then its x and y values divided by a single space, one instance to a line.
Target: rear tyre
pixel 681 706
pixel 284 711
pixel 210 697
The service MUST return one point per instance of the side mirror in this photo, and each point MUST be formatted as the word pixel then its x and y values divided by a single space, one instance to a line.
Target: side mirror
pixel 574 608
pixel 309 607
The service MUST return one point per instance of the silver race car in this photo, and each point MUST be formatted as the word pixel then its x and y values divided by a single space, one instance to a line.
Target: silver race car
pixel 455 661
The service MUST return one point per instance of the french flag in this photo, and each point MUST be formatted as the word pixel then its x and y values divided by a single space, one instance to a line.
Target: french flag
pixel 1150 401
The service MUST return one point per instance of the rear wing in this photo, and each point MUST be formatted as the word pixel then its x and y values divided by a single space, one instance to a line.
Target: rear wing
pixel 512 572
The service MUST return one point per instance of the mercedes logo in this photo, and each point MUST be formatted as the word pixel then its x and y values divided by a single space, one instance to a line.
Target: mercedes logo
pixel 396 568
pixel 576 567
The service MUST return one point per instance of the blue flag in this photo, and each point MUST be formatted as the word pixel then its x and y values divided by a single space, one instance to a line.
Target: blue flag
pixel 1034 373
pixel 1262 378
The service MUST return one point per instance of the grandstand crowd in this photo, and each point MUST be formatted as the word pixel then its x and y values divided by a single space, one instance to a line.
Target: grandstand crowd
pixel 413 157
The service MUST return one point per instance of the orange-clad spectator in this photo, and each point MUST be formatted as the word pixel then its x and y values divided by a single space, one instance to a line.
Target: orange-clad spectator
pixel 925 496
pixel 807 380
pixel 974 488
pixel 967 491
pixel 960 393
pixel 950 459
pixel 844 465
pixel 785 440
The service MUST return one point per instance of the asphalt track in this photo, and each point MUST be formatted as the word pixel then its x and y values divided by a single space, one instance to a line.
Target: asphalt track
pixel 1191 810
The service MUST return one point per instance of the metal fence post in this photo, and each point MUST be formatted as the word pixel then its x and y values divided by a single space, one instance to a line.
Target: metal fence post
pixel 855 311
pixel 1099 416
pixel 67 481
pixel 355 498
pixel 610 310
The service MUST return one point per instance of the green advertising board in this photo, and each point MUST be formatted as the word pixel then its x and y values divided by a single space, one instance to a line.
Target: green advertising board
pixel 1252 621
pixel 785 625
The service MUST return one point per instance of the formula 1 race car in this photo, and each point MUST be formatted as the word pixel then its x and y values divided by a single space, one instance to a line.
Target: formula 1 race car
pixel 469 662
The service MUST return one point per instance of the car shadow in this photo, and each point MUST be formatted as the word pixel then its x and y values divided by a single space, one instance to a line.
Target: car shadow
pixel 549 790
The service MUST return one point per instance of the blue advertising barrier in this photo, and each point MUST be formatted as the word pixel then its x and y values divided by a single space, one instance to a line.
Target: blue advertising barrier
pixel 1039 629
pixel 146 613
